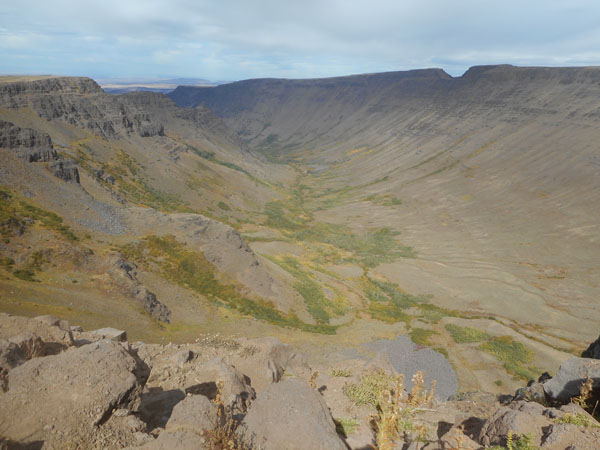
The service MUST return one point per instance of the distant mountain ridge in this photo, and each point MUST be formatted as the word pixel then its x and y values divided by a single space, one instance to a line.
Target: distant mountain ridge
pixel 291 113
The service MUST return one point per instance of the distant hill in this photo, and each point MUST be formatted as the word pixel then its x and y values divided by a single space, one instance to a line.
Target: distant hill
pixel 162 86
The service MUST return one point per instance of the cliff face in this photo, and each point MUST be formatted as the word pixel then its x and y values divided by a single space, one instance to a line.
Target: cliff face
pixel 272 113
pixel 29 144
pixel 80 102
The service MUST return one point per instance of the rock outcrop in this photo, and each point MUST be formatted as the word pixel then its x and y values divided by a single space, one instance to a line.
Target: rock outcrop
pixel 593 351
pixel 125 274
pixel 292 415
pixel 69 392
pixel 80 102
pixel 65 170
pixel 568 381
pixel 100 392
pixel 34 146
pixel 29 144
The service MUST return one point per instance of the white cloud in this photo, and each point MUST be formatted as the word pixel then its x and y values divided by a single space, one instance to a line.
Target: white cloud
pixel 232 39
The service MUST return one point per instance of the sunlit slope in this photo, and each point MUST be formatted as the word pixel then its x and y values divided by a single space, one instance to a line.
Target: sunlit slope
pixel 144 168
pixel 493 178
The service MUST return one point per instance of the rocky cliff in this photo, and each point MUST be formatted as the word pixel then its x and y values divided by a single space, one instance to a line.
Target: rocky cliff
pixel 68 388
pixel 30 145
pixel 80 102
pixel 281 113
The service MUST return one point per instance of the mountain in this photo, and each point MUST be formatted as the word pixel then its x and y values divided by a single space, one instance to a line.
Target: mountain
pixel 160 86
pixel 329 212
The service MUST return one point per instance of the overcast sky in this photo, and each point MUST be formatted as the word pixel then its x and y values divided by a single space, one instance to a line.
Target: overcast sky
pixel 238 39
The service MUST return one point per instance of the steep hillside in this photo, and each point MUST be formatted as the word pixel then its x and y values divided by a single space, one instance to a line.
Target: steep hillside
pixel 491 179
pixel 125 205
pixel 460 212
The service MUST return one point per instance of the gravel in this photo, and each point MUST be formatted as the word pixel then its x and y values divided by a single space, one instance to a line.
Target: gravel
pixel 407 359
pixel 106 219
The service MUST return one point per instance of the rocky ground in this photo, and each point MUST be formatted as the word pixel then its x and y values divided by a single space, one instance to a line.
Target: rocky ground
pixel 65 388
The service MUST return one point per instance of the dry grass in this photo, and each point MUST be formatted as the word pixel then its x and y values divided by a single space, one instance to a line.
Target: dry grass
pixel 224 436
pixel 395 418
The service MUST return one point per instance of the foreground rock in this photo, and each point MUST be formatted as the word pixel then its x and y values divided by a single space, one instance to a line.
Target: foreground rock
pixel 290 415
pixel 191 419
pixel 219 393
pixel 55 333
pixel 570 377
pixel 593 351
pixel 56 398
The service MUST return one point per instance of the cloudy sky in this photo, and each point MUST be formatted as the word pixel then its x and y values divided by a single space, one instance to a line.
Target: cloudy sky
pixel 237 39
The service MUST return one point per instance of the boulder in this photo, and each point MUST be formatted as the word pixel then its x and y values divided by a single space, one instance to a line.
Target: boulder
pixel 454 438
pixel 151 304
pixel 195 413
pixel 533 392
pixel 265 360
pixel 520 418
pixel 204 378
pixel 157 406
pixel 182 357
pixel 593 351
pixel 180 440
pixel 110 333
pixel 15 351
pixel 562 436
pixel 571 375
pixel 56 334
pixel 70 392
pixel 290 415
pixel 125 273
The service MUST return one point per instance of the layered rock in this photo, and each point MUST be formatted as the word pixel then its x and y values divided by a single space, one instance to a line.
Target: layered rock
pixel 80 102
pixel 29 144
pixel 65 170
pixel 125 273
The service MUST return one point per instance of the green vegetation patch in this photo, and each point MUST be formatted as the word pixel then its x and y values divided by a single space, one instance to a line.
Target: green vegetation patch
pixel 517 442
pixel 25 275
pixel 342 373
pixel 388 303
pixel 579 419
pixel 515 357
pixel 389 313
pixel 313 298
pixel 466 335
pixel 368 391
pixel 210 156
pixel 420 336
pixel 192 270
pixel 17 213
pixel 318 306
pixel 7 262
pixel 345 426
pixel 224 206
pixel 385 200
pixel 297 222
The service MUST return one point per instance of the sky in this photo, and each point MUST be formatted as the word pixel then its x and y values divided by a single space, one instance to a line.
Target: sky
pixel 226 40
